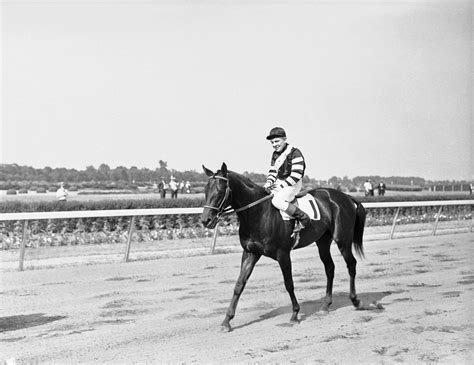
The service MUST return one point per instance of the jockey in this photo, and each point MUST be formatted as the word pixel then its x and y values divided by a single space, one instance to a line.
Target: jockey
pixel 285 176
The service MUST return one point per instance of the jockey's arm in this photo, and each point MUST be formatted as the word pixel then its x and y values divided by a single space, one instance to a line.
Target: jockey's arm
pixel 271 177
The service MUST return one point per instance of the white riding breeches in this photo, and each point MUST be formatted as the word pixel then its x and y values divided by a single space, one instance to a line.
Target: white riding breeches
pixel 282 196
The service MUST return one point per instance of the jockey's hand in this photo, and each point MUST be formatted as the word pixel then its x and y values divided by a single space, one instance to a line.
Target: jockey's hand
pixel 268 187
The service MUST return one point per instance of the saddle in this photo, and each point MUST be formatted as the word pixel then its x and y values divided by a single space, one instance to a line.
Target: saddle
pixel 307 204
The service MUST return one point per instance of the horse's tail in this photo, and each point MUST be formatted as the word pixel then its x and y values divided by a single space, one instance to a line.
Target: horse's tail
pixel 359 228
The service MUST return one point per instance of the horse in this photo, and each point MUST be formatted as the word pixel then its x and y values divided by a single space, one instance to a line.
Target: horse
pixel 263 232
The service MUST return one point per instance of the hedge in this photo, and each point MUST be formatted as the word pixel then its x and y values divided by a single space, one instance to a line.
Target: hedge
pixel 105 204
pixel 403 188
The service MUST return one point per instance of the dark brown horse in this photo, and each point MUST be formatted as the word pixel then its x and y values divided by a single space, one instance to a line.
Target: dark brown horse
pixel 264 232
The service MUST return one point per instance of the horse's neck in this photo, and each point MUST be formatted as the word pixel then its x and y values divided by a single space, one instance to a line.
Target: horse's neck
pixel 243 193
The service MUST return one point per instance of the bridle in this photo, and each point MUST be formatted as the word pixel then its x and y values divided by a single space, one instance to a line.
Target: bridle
pixel 223 208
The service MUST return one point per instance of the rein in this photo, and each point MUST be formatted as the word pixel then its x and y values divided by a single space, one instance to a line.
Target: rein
pixel 221 211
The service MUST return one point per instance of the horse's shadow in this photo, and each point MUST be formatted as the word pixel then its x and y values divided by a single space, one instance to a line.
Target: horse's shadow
pixel 311 307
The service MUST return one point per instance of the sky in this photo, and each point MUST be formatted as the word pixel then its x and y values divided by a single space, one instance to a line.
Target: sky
pixel 361 87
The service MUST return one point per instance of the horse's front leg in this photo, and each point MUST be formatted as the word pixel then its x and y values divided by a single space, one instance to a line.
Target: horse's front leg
pixel 249 259
pixel 284 260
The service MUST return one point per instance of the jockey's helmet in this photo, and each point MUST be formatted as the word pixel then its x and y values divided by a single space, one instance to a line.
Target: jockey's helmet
pixel 276 132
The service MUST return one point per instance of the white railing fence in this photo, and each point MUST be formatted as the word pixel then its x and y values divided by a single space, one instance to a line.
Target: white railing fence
pixel 132 213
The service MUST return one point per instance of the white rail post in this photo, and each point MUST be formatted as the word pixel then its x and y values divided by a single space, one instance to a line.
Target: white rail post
pixel 23 245
pixel 129 238
pixel 214 239
pixel 394 222
pixel 437 220
pixel 472 218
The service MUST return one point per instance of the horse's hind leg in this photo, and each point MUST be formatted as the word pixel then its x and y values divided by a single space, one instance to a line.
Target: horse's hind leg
pixel 324 247
pixel 249 260
pixel 346 251
pixel 284 260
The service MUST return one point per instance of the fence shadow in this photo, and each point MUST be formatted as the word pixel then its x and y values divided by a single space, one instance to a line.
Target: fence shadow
pixel 14 323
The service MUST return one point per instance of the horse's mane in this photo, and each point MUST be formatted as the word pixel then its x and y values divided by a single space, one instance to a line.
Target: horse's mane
pixel 247 182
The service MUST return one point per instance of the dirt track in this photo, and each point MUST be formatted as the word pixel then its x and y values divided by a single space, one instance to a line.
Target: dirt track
pixel 169 310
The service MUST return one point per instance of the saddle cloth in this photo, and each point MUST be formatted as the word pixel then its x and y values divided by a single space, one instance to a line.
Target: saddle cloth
pixel 307 204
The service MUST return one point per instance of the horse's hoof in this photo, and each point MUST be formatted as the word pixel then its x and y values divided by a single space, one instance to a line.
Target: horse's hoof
pixel 375 306
pixel 294 319
pixel 226 328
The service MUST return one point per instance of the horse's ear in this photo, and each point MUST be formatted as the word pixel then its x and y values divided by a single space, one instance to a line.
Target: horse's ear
pixel 207 171
pixel 224 169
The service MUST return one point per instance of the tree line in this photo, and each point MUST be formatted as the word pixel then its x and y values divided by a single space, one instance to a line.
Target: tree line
pixel 14 173
pixel 103 173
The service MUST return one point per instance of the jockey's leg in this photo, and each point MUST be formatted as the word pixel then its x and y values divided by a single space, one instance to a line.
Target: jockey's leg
pixel 297 213
pixel 281 201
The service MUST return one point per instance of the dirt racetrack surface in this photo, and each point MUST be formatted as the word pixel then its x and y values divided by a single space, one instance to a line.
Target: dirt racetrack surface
pixel 170 310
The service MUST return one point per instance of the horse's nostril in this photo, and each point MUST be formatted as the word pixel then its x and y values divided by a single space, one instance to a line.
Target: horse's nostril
pixel 205 222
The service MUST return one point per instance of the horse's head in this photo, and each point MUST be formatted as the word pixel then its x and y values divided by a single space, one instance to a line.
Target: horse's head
pixel 218 197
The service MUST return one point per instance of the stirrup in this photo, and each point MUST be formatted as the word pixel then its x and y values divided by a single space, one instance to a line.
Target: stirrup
pixel 300 224
pixel 295 236
pixel 297 228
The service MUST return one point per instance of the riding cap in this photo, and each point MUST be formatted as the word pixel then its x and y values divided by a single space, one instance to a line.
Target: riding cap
pixel 276 132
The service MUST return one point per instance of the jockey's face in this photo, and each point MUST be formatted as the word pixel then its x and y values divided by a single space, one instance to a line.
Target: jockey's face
pixel 278 143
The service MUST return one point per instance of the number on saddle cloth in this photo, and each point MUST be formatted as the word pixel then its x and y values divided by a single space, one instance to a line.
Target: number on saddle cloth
pixel 307 204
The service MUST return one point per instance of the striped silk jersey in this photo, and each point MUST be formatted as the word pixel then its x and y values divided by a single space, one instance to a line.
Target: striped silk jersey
pixel 290 171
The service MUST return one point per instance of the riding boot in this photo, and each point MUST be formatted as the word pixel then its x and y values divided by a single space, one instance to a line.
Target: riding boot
pixel 290 224
pixel 295 233
pixel 298 214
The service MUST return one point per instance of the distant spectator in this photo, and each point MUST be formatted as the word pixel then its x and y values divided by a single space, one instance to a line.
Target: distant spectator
pixel 162 188
pixel 471 187
pixel 188 187
pixel 182 186
pixel 61 193
pixel 381 188
pixel 368 188
pixel 173 187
